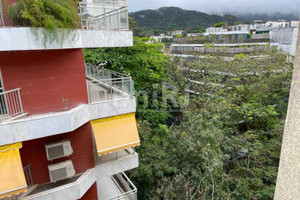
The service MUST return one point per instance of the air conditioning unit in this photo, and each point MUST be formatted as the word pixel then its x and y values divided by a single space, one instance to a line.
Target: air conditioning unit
pixel 61 171
pixel 59 149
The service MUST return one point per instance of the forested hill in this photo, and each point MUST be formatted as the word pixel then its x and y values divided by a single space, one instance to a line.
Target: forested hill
pixel 171 18
pixel 250 17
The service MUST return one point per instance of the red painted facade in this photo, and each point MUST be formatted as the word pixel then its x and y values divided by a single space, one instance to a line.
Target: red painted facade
pixel 45 79
pixel 33 153
pixel 91 194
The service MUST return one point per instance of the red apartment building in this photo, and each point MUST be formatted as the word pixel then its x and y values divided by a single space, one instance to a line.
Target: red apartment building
pixel 67 129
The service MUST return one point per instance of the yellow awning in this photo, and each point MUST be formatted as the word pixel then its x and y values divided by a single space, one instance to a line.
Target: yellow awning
pixel 115 133
pixel 12 178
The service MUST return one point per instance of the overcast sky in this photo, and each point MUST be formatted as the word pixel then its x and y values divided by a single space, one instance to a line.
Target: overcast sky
pixel 221 6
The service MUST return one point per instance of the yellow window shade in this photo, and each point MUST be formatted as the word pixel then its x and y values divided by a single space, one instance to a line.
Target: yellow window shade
pixel 12 178
pixel 115 133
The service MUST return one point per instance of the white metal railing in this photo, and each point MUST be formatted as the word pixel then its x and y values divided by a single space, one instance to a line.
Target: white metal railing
pixel 115 85
pixel 104 16
pixel 115 155
pixel 10 104
pixel 28 175
pixel 126 187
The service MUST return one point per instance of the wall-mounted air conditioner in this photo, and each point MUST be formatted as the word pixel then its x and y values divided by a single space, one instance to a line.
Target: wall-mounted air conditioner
pixel 59 149
pixel 61 171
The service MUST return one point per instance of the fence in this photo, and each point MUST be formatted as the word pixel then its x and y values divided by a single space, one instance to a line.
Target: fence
pixel 10 104
pixel 103 16
pixel 105 84
pixel 221 50
pixel 115 155
pixel 28 175
pixel 126 186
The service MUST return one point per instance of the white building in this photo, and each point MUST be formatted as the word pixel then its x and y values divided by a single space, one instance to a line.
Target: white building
pixel 295 24
pixel 178 32
pixel 215 30
pixel 278 24
pixel 242 27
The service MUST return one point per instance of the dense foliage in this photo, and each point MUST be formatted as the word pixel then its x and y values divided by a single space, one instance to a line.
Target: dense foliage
pixel 225 143
pixel 57 17
pixel 173 18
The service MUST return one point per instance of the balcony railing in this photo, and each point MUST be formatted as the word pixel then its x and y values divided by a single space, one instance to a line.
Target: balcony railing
pixel 115 156
pixel 10 104
pixel 102 15
pixel 128 189
pixel 104 84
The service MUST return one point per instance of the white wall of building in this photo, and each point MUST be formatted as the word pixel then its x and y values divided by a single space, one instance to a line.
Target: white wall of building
pixel 285 38
pixel 278 24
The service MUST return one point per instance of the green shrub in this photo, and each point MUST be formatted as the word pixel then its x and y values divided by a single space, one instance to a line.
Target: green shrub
pixel 58 17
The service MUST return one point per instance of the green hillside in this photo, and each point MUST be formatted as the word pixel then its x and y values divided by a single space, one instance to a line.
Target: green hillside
pixel 172 18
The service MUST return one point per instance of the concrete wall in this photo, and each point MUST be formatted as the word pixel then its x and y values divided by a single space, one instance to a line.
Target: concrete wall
pixel 18 39
pixel 34 153
pixel 285 39
pixel 41 126
pixel 288 180
pixel 45 78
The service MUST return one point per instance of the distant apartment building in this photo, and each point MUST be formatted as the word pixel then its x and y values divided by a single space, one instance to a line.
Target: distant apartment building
pixel 228 35
pixel 295 24
pixel 177 32
pixel 161 37
pixel 242 27
pixel 215 29
pixel 67 129
pixel 278 24
pixel 194 34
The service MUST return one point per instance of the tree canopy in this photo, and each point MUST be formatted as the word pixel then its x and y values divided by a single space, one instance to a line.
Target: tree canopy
pixel 225 143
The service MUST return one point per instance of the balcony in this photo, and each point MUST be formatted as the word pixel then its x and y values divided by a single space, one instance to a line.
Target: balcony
pixel 72 188
pixel 10 105
pixel 117 162
pixel 110 94
pixel 104 16
pixel 103 24
pixel 104 84
pixel 117 187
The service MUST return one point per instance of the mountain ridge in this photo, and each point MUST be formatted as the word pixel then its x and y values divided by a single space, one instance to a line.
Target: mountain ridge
pixel 174 18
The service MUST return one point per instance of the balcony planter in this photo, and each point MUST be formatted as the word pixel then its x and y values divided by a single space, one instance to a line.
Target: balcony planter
pixel 58 18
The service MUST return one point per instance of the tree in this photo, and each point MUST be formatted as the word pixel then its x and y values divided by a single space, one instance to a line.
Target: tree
pixel 225 144
pixel 219 24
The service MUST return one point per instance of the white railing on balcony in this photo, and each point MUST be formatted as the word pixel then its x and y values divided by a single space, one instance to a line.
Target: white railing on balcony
pixel 105 84
pixel 10 104
pixel 128 189
pixel 103 16
pixel 115 155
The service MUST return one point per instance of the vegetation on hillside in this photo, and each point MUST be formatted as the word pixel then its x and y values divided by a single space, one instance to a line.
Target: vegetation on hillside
pixel 223 144
pixel 173 18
